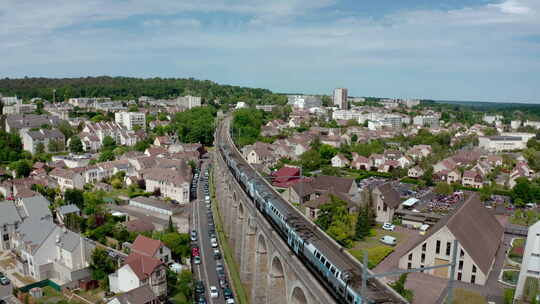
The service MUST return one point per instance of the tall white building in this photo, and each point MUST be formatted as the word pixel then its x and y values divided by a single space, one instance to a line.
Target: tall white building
pixel 340 98
pixel 189 101
pixel 430 121
pixel 530 266
pixel 130 119
pixel 9 100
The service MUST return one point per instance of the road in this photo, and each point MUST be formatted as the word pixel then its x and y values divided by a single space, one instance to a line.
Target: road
pixel 206 271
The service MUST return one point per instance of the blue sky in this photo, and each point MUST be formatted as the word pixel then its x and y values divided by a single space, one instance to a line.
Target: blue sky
pixel 451 49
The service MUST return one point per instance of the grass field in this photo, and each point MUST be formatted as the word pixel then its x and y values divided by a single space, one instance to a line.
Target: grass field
pixel 377 251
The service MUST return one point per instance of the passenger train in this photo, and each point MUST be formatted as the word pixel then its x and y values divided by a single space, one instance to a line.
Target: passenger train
pixel 341 277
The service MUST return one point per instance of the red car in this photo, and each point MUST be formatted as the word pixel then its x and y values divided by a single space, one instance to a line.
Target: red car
pixel 195 251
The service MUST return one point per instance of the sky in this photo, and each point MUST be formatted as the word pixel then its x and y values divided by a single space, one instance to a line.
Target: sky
pixel 478 50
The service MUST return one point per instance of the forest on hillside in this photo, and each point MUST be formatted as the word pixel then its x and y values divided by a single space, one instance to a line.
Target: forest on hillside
pixel 122 88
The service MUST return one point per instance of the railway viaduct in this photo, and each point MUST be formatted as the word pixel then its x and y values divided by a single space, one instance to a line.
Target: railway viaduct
pixel 269 270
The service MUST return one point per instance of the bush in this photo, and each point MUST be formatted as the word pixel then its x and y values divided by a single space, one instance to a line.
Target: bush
pixel 509 295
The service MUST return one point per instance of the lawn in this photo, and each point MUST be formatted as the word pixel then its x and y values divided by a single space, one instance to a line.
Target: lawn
pixel 464 296
pixel 376 250
pixel 375 254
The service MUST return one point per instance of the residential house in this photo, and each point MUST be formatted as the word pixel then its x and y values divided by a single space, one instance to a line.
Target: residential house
pixel 140 270
pixel 63 211
pixel 44 140
pixel 385 200
pixel 445 164
pixel 140 225
pixel 360 162
pixel 467 157
pixel 260 153
pixel 309 189
pixel 47 251
pixel 340 161
pixel 479 237
pixel 152 248
pixel 9 221
pixel 529 274
pixel 419 152
pixel 171 183
pixel 313 206
pixel 68 178
pixel 415 172
pixel 377 160
pixel 473 179
pixel 139 295
pixel 285 177
pixel 21 122
pixel 163 141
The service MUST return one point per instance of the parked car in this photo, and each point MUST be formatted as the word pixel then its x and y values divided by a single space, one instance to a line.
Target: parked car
pixel 213 242
pixel 193 235
pixel 4 281
pixel 227 293
pixel 217 254
pixel 199 288
pixel 214 292
pixel 229 301
pixel 223 283
pixel 388 227
pixel 197 260
pixel 388 240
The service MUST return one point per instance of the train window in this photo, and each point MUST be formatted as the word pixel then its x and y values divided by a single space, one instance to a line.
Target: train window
pixel 333 270
pixel 327 265
pixel 323 260
pixel 317 254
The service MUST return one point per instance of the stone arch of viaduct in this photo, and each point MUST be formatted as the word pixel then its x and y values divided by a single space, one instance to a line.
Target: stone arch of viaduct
pixel 269 270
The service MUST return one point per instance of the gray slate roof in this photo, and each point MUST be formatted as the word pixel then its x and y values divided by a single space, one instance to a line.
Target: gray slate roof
pixel 35 231
pixel 8 213
pixel 66 209
pixel 36 206
pixel 69 240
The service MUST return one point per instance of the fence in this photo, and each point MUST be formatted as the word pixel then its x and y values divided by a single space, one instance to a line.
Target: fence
pixel 41 284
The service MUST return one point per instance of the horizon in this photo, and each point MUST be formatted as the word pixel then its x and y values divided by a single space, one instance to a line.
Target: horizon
pixel 455 50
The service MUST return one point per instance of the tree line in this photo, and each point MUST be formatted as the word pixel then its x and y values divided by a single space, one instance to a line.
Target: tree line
pixel 122 88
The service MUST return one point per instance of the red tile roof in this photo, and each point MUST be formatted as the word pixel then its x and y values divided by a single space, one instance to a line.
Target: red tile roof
pixel 142 265
pixel 145 246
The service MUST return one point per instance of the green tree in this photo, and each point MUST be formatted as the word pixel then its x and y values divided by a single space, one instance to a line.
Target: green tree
pixel 40 148
pixel 75 197
pixel 56 146
pixel 335 219
pixel 101 265
pixel 108 143
pixel 107 155
pixel 310 160
pixel 75 145
pixel 21 167
pixel 66 129
pixel 399 287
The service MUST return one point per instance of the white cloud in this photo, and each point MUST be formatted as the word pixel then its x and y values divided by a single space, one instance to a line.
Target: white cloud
pixel 467 41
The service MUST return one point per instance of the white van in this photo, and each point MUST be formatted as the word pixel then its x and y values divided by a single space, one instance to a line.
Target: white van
pixel 388 240
pixel 423 229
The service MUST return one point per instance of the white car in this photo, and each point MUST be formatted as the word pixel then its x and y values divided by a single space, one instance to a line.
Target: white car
pixel 214 293
pixel 230 301
pixel 388 227
pixel 214 243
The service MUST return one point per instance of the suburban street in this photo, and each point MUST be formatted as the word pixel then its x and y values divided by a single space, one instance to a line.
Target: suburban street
pixel 206 271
